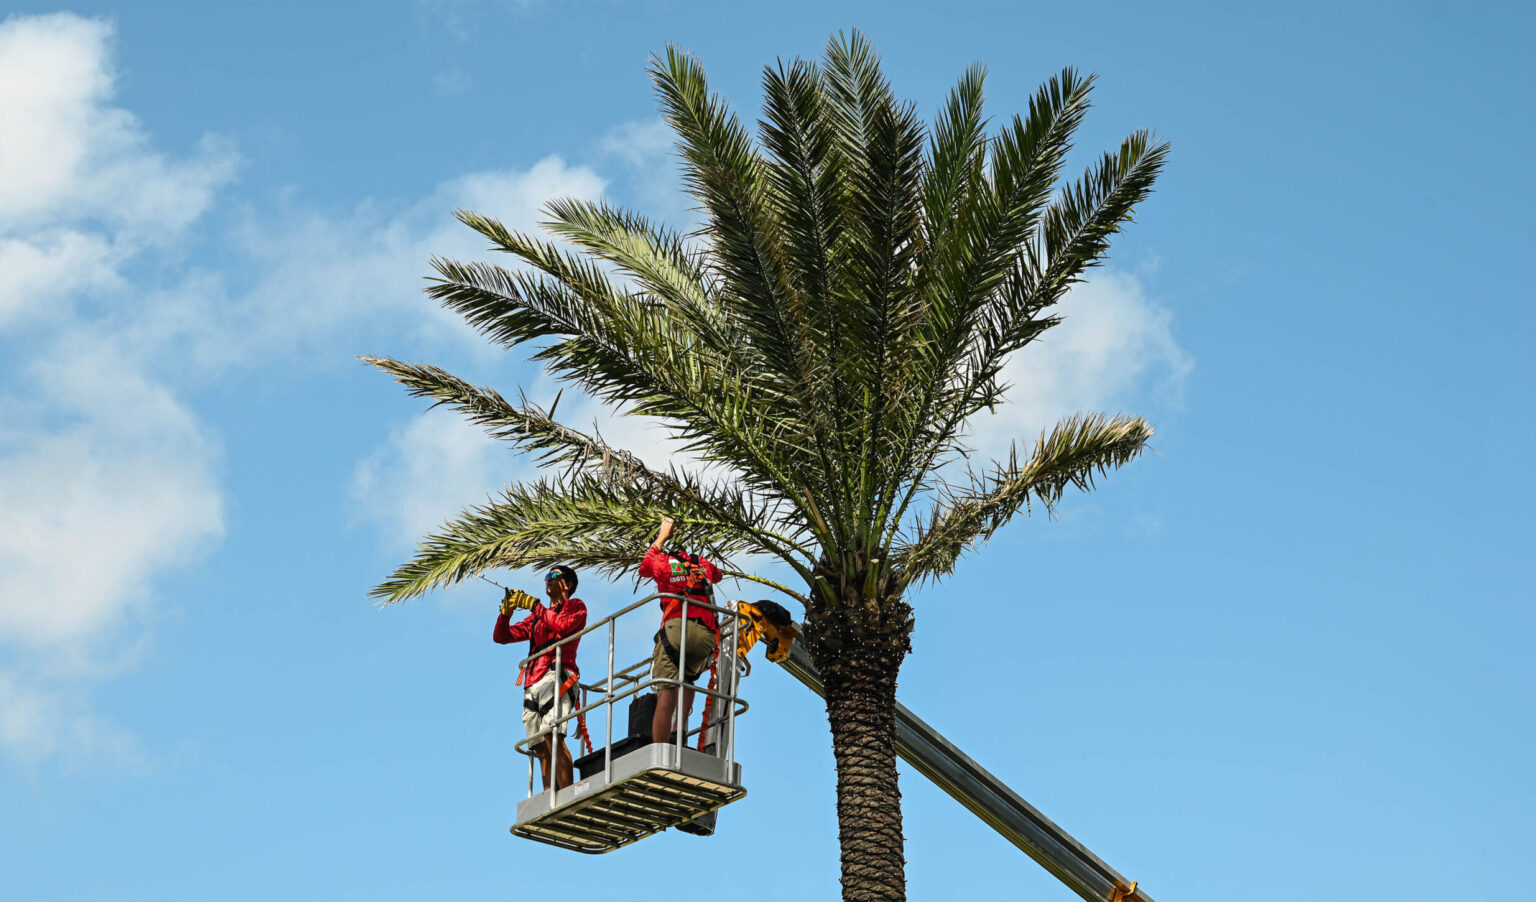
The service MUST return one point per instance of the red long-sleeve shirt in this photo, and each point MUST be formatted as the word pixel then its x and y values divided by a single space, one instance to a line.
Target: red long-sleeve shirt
pixel 544 626
pixel 672 576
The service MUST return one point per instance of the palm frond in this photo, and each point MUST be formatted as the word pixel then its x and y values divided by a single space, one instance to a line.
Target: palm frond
pixel 993 224
pixel 534 430
pixel 1072 454
pixel 722 168
pixel 582 522
pixel 880 142
pixel 1079 224
pixel 625 350
pixel 803 184
pixel 957 157
pixel 656 257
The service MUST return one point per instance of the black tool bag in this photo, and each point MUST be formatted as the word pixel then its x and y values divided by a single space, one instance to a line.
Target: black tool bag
pixel 642 709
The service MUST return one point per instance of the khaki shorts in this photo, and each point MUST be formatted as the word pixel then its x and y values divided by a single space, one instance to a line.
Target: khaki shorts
pixel 697 648
pixel 539 712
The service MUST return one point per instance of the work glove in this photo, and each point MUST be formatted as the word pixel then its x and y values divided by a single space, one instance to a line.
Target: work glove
pixel 517 600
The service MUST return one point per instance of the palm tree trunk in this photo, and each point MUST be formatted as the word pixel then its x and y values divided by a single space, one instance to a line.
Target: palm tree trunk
pixel 859 668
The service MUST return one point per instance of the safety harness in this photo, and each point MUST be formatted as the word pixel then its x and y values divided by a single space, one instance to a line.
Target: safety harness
pixel 695 579
pixel 570 682
pixel 696 587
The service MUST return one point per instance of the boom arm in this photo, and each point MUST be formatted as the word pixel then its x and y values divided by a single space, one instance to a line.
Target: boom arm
pixel 990 799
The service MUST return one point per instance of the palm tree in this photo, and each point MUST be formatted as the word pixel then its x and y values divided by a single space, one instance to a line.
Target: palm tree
pixel 858 282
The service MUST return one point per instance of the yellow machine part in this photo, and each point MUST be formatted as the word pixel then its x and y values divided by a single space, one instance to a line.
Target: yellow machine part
pixel 777 640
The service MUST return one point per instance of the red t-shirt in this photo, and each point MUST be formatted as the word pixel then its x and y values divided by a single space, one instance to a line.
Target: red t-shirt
pixel 671 576
pixel 544 626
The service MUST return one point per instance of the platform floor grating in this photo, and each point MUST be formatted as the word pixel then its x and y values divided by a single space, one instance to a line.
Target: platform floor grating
pixel 617 815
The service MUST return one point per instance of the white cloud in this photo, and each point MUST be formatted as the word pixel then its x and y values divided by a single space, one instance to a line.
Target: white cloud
pixel 92 509
pixel 427 473
pixel 38 723
pixel 68 156
pixel 106 479
pixel 640 143
pixel 1113 346
pixel 51 265
pixel 323 279
pixel 645 147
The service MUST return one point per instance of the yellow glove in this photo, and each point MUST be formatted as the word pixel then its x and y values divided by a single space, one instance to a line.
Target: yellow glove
pixel 517 600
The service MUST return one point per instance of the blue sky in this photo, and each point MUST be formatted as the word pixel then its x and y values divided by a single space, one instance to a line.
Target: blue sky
pixel 1285 658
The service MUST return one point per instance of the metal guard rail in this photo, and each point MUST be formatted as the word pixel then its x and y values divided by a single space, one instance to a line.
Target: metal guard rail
pixel 734 706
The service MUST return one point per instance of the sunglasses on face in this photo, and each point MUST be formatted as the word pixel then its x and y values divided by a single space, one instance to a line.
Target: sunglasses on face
pixel 553 575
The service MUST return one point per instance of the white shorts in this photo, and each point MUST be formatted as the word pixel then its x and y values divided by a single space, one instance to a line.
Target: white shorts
pixel 539 709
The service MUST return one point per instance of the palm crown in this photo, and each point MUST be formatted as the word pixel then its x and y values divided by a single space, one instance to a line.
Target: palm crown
pixel 848 304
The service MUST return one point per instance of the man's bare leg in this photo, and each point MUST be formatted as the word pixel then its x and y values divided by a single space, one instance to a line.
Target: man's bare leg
pixel 563 776
pixel 541 752
pixel 664 721
pixel 666 711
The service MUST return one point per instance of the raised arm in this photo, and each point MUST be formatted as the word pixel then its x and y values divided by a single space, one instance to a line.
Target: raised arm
pixel 661 537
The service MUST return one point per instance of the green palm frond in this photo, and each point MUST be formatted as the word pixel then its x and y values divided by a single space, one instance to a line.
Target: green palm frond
pixel 1079 225
pixel 1073 454
pixel 992 219
pixel 957 159
pixel 655 257
pixel 723 170
pixel 624 349
pixel 581 521
pixel 1074 237
pixel 1059 243
pixel 880 144
pixel 770 524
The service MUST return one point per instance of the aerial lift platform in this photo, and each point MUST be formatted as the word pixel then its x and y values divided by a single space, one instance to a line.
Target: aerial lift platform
pixel 631 787
pixel 643 788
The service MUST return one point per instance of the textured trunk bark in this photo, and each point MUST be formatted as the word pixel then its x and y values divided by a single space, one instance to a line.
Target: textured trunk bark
pixel 861 708
pixel 858 643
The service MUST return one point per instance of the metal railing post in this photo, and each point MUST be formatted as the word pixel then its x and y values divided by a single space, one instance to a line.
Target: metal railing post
pixel 682 670
pixel 608 704
pixel 549 743
pixel 730 706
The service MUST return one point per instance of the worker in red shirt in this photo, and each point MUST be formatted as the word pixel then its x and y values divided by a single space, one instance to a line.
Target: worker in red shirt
pixel 691 576
pixel 552 675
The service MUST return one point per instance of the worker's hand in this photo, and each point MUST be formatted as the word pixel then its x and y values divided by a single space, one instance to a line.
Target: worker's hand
pixel 517 600
pixel 666 531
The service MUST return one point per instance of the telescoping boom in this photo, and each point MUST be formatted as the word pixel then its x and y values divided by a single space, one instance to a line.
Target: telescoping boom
pixel 990 799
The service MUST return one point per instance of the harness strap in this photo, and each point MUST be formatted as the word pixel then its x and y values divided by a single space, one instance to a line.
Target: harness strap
pixel 581 719
pixel 673 606
pixel 567 689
